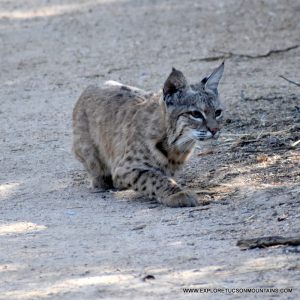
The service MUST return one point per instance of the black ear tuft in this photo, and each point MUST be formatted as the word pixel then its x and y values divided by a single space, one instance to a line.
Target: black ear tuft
pixel 175 82
pixel 204 80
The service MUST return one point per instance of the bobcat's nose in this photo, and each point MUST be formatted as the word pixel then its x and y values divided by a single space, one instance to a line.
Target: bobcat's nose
pixel 213 130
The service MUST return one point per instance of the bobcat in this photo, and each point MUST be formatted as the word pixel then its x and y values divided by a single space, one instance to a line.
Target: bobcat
pixel 128 138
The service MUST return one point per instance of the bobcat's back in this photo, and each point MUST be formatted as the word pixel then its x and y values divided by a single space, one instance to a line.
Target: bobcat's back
pixel 113 117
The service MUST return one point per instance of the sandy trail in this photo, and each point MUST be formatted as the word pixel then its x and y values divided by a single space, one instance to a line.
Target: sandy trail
pixel 58 240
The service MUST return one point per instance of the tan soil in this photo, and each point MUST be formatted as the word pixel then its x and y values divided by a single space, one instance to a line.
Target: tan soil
pixel 60 241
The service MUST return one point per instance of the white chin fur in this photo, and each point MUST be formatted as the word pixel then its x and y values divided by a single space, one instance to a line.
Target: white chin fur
pixel 216 135
pixel 195 136
pixel 209 135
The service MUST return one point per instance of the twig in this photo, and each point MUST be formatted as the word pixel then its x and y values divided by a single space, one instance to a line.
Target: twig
pixel 290 81
pixel 268 241
pixel 210 58
pixel 295 144
pixel 269 53
pixel 232 54
pixel 118 69
pixel 74 207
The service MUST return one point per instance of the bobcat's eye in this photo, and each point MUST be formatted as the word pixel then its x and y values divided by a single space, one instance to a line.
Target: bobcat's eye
pixel 197 114
pixel 218 113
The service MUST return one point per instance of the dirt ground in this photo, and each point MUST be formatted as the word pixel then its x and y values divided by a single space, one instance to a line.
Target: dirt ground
pixel 60 241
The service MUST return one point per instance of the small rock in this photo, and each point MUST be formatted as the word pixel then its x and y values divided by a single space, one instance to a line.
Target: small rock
pixel 85 273
pixel 262 158
pixel 282 217
pixel 272 140
pixel 70 213
pixel 139 227
pixel 148 277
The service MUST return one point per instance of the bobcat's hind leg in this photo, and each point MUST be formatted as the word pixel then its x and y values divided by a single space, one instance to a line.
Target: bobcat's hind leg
pixel 87 153
pixel 99 175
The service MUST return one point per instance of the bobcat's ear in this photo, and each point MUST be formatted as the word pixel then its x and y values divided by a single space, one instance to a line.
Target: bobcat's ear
pixel 175 82
pixel 211 83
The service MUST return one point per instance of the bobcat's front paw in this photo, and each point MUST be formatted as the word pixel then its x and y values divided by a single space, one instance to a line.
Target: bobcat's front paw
pixel 181 199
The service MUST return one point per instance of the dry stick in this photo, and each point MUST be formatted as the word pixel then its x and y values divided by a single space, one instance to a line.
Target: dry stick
pixel 290 81
pixel 232 54
pixel 295 144
pixel 269 53
pixel 210 58
pixel 268 241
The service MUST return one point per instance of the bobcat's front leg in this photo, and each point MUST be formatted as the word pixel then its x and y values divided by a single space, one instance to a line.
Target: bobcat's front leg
pixel 155 184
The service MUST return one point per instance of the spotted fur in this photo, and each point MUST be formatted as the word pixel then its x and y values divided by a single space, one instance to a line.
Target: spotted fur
pixel 129 138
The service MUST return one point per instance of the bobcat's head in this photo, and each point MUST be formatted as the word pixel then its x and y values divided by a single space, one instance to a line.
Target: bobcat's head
pixel 193 112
